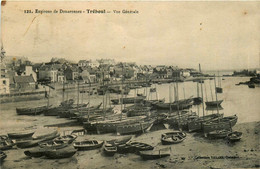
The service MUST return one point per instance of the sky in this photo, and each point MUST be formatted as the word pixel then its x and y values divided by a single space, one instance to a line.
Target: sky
pixel 218 35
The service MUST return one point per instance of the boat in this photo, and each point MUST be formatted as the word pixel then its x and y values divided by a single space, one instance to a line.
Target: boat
pixel 219 124
pixel 133 128
pixel 53 144
pixel 60 153
pixel 195 124
pixel 176 105
pixel 218 134
pixel 234 136
pixel 155 154
pixel 214 103
pixel 21 135
pixel 129 100
pixel 173 137
pixel 251 85
pixel 67 138
pixel 31 111
pixel 110 149
pixel 120 141
pixel 88 144
pixel 219 89
pixel 124 148
pixel 6 143
pixel 138 146
pixel 2 156
pixel 51 134
pixel 35 152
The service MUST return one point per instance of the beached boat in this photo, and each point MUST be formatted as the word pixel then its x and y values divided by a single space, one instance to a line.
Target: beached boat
pixel 234 136
pixel 124 148
pixel 2 156
pixel 218 134
pixel 67 138
pixel 53 144
pixel 173 137
pixel 138 146
pixel 35 152
pixel 155 154
pixel 88 144
pixel 60 153
pixel 119 141
pixel 177 105
pixel 195 124
pixel 6 143
pixel 51 134
pixel 129 100
pixel 31 111
pixel 21 135
pixel 219 124
pixel 214 103
pixel 134 128
pixel 110 149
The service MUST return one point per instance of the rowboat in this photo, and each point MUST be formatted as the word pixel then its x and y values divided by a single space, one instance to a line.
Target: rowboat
pixel 53 144
pixel 52 134
pixel 36 152
pixel 173 137
pixel 120 141
pixel 60 153
pixel 217 134
pixel 68 138
pixel 155 154
pixel 138 146
pixel 88 144
pixel 110 149
pixel 31 111
pixel 20 135
pixel 234 136
pixel 6 143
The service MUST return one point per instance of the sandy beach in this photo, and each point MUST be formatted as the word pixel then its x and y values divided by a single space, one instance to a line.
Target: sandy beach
pixel 195 152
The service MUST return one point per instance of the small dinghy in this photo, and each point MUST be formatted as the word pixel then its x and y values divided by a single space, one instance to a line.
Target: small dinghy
pixel 53 144
pixel 88 144
pixel 124 148
pixel 234 136
pixel 155 154
pixel 218 134
pixel 173 137
pixel 21 135
pixel 47 135
pixel 68 138
pixel 61 153
pixel 110 149
pixel 120 141
pixel 6 143
pixel 2 156
pixel 36 152
pixel 138 146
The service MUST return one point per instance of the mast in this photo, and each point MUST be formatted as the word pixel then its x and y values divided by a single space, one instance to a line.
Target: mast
pixel 216 93
pixel 78 95
pixel 211 91
pixel 122 93
pixel 170 100
pixel 202 94
pixel 89 98
pixel 63 90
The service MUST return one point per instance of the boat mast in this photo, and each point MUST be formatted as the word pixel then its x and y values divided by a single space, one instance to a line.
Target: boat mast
pixel 216 93
pixel 202 93
pixel 211 91
pixel 89 98
pixel 63 90
pixel 122 92
pixel 170 100
pixel 78 95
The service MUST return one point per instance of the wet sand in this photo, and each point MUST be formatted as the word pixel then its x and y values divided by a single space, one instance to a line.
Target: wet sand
pixel 195 152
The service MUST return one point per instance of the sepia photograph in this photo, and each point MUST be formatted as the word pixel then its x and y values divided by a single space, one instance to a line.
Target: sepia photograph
pixel 127 84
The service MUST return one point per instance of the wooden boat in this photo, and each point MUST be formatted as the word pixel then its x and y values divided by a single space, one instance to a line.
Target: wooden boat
pixel 21 135
pixel 2 156
pixel 155 154
pixel 88 144
pixel 134 128
pixel 177 105
pixel 53 144
pixel 138 146
pixel 36 152
pixel 234 136
pixel 6 143
pixel 51 134
pixel 196 124
pixel 173 137
pixel 124 148
pixel 129 100
pixel 61 153
pixel 217 134
pixel 139 111
pixel 110 149
pixel 219 124
pixel 68 138
pixel 214 103
pixel 120 141
pixel 31 111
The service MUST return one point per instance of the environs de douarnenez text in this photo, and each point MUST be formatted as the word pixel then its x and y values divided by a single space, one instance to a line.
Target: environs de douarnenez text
pixel 87 11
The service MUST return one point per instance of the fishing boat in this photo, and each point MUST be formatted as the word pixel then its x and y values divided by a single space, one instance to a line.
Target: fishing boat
pixel 21 135
pixel 31 111
pixel 88 144
pixel 134 128
pixel 53 144
pixel 173 137
pixel 218 134
pixel 2 156
pixel 195 124
pixel 35 152
pixel 219 124
pixel 129 100
pixel 60 153
pixel 214 103
pixel 234 136
pixel 110 149
pixel 67 138
pixel 155 154
pixel 138 146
